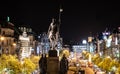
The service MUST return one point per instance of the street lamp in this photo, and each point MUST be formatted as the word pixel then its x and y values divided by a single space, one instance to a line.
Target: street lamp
pixel 85 42
pixel 14 48
pixel 59 19
pixel 14 44
pixel 1 39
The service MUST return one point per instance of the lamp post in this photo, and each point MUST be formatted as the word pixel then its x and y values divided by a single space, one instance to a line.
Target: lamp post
pixel 14 47
pixel 85 42
pixel 1 39
pixel 58 30
pixel 59 19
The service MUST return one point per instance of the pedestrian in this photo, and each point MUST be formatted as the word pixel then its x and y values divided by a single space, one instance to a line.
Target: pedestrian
pixel 45 64
pixel 41 64
pixel 64 65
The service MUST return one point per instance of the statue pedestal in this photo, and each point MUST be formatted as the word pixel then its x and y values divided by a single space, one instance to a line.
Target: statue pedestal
pixel 52 53
pixel 52 62
pixel 53 65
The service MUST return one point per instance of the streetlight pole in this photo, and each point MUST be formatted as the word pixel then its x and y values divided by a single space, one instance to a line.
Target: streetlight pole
pixel 59 23
pixel 14 47
pixel 59 19
pixel 58 30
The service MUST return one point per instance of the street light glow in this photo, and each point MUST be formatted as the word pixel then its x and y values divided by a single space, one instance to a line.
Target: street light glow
pixel 14 44
pixel 84 42
pixel 2 38
pixel 61 10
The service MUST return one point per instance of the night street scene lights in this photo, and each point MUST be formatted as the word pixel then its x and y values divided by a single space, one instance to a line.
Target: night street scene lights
pixel 84 41
pixel 86 47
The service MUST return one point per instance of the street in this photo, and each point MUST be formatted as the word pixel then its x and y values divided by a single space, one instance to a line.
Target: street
pixel 87 71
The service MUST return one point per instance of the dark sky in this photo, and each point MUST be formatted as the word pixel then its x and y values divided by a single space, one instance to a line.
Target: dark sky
pixel 78 18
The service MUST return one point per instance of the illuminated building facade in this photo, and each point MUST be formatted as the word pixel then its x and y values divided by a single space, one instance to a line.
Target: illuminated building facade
pixel 108 43
pixel 7 40
pixel 31 36
pixel 25 49
pixel 43 44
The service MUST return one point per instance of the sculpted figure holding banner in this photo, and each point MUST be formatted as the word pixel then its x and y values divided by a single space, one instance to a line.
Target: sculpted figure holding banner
pixel 52 34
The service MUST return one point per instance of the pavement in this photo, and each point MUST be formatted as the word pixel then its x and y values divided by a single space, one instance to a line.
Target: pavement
pixel 87 71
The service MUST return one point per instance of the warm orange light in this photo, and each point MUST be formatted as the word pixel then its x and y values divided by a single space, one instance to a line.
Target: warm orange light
pixel 108 57
pixel 14 44
pixel 2 38
pixel 84 52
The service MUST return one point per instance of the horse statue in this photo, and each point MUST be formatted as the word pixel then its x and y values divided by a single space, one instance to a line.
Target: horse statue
pixel 53 34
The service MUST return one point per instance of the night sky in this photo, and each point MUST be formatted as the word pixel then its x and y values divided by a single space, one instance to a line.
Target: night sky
pixel 78 18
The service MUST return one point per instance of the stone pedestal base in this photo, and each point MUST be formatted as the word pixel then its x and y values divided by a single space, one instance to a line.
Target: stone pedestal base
pixel 53 65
